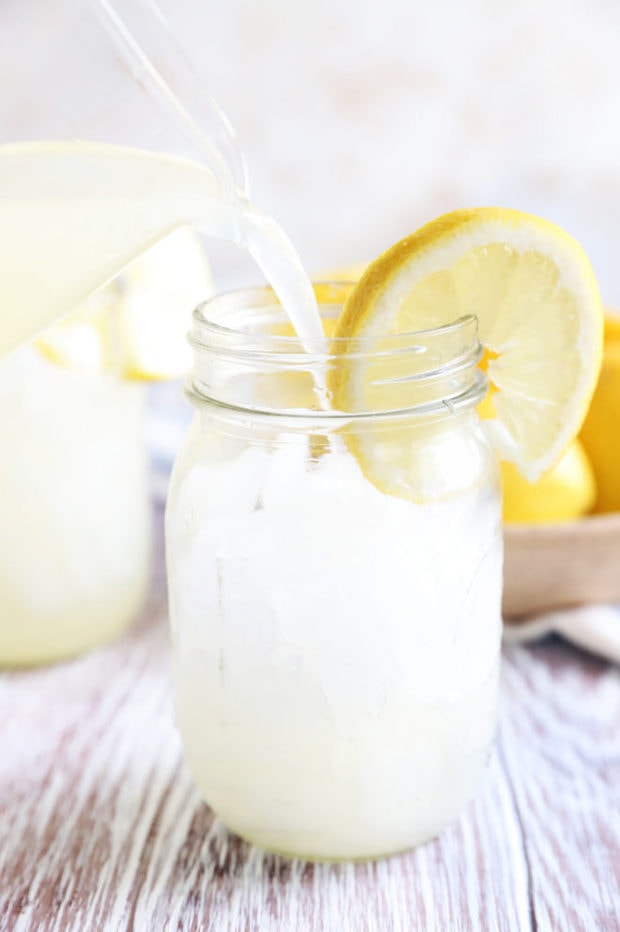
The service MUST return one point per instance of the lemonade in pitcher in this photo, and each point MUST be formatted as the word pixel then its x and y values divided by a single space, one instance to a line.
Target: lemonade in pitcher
pixel 75 539
pixel 75 533
pixel 333 529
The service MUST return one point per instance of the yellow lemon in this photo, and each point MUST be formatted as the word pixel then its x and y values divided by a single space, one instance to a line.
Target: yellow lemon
pixel 566 492
pixel 535 297
pixel 600 433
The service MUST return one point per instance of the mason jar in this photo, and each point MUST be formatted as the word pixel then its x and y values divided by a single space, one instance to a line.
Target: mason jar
pixel 75 536
pixel 335 580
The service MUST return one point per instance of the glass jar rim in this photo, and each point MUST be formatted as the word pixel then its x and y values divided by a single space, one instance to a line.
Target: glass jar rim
pixel 246 332
pixel 264 297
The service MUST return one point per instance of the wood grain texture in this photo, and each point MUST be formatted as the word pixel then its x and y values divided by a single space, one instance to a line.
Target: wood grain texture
pixel 550 566
pixel 102 829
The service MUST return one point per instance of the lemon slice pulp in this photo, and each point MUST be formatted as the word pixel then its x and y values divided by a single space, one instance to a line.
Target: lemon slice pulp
pixel 535 297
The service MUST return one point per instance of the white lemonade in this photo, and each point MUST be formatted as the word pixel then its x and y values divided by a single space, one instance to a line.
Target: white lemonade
pixel 336 644
pixel 75 542
pixel 335 572
pixel 336 679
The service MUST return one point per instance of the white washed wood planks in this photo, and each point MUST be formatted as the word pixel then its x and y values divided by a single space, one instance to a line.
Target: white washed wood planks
pixel 560 745
pixel 101 828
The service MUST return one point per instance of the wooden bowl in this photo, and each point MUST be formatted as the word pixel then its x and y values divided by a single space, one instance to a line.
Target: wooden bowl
pixel 551 566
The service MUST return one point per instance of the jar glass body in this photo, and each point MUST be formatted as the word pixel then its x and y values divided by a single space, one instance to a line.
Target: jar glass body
pixel 75 539
pixel 336 641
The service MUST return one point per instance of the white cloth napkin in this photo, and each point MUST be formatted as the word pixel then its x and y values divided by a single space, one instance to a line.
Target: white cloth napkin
pixel 593 627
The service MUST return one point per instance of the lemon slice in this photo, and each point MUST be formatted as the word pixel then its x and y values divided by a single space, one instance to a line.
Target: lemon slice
pixel 84 339
pixel 535 296
pixel 136 326
pixel 161 289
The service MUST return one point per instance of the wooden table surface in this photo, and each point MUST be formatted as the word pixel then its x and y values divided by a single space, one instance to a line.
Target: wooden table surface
pixel 102 829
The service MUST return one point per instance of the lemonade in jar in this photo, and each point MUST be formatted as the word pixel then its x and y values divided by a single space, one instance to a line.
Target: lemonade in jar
pixel 336 634
pixel 333 529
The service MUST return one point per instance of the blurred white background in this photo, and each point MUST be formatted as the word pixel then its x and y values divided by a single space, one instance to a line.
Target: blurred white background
pixel 360 121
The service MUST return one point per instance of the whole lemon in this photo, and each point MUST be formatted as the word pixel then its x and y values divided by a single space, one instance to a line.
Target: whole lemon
pixel 600 433
pixel 564 493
